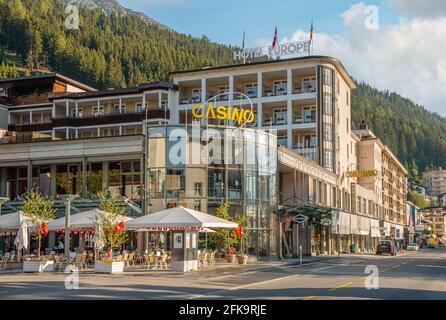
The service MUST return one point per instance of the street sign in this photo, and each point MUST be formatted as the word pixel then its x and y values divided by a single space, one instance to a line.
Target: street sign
pixel 326 222
pixel 315 220
pixel 300 218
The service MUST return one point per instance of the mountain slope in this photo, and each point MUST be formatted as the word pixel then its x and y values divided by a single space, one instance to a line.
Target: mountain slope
pixel 413 133
pixel 109 7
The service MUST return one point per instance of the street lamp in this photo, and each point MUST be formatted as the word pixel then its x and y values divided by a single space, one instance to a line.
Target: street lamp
pixel 2 201
pixel 67 198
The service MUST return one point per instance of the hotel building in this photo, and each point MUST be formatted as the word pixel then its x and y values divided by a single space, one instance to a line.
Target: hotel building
pixel 74 139
pixel 435 182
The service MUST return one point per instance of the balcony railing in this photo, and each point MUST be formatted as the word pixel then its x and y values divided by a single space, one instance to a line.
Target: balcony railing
pixel 30 127
pixel 308 87
pixel 111 118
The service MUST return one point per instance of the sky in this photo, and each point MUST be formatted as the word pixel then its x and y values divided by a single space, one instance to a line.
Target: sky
pixel 398 45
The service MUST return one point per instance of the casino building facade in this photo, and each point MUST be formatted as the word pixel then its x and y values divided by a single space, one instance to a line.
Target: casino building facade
pixel 148 145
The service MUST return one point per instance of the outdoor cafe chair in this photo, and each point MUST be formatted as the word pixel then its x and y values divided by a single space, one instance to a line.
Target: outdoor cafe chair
pixel 79 261
pixel 58 263
pixel 131 259
pixel 202 259
pixel 210 260
pixel 161 260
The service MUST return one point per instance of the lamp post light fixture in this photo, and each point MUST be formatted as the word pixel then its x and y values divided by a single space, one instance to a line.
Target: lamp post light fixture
pixel 67 198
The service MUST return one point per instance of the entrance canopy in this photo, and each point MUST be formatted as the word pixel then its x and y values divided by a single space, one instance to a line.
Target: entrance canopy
pixel 83 220
pixel 179 218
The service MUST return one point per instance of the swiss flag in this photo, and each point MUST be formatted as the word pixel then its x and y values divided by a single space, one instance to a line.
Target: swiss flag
pixel 275 38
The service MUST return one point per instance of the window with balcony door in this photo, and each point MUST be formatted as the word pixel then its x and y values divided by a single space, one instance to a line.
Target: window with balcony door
pixel 196 95
pixel 282 140
pixel 309 114
pixel 251 90
pixel 98 111
pixel 309 84
pixel 222 92
pixel 310 141
pixel 119 110
pixel 280 87
pixel 280 116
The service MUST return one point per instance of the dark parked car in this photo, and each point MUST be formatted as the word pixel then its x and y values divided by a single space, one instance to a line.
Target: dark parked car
pixel 386 246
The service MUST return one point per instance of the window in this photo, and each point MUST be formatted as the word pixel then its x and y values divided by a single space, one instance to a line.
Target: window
pixel 116 108
pixel 251 90
pixel 196 95
pixel 309 84
pixel 348 98
pixel 3 92
pixel 98 111
pixel 280 116
pixel 139 107
pixel 198 188
pixel 280 87
pixel 222 91
pixel 328 159
pixel 328 105
pixel 328 73
pixel 309 114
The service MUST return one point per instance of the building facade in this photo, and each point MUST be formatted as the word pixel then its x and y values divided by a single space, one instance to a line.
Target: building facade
pixel 435 182
pixel 157 145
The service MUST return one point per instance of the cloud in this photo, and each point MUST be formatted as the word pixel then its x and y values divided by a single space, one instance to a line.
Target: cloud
pixel 419 8
pixel 407 57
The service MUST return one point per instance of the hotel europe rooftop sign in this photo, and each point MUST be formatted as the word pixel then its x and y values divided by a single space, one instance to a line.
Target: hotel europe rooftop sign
pixel 280 50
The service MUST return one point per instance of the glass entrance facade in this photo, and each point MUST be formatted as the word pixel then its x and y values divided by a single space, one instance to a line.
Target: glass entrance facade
pixel 202 167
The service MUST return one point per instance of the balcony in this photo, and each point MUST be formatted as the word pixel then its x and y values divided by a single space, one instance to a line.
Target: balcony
pixel 30 127
pixel 111 118
pixel 306 87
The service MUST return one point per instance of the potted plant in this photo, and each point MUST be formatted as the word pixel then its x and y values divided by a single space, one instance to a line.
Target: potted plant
pixel 231 256
pixel 242 258
pixel 38 210
pixel 110 233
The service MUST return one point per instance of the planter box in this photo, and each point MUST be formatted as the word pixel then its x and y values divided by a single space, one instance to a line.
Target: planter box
pixel 109 267
pixel 38 266
pixel 230 258
pixel 242 259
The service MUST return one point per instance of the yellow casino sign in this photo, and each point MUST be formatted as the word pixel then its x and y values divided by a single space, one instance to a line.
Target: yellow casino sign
pixel 362 174
pixel 209 111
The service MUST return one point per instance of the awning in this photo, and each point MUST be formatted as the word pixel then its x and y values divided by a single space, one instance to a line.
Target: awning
pixel 179 217
pixel 387 229
pixel 340 222
pixel 374 229
pixel 364 226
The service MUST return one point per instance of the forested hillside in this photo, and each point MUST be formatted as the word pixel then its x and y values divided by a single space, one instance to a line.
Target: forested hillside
pixel 107 51
pixel 414 134
pixel 117 50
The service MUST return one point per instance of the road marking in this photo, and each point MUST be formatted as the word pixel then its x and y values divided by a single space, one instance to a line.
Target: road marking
pixel 341 286
pixel 364 278
pixel 430 266
pixel 309 297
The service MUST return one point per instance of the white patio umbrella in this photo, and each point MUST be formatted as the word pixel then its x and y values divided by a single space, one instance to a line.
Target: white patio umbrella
pixel 10 221
pixel 82 220
pixel 21 240
pixel 179 217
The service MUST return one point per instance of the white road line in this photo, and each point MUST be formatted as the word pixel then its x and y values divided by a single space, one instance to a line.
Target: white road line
pixel 430 266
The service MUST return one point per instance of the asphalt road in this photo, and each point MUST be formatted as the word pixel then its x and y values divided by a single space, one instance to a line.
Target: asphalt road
pixel 415 275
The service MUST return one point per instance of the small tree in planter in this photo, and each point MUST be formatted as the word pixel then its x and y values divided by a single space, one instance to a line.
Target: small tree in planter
pixel 110 228
pixel 39 211
pixel 224 238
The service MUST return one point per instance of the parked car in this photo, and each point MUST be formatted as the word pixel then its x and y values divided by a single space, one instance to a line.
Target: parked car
pixel 432 242
pixel 413 247
pixel 386 246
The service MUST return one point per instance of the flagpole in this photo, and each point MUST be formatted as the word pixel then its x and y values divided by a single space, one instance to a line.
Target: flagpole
pixel 243 47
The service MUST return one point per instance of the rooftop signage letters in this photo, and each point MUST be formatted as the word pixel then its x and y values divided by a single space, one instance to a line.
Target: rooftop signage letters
pixel 362 173
pixel 281 50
